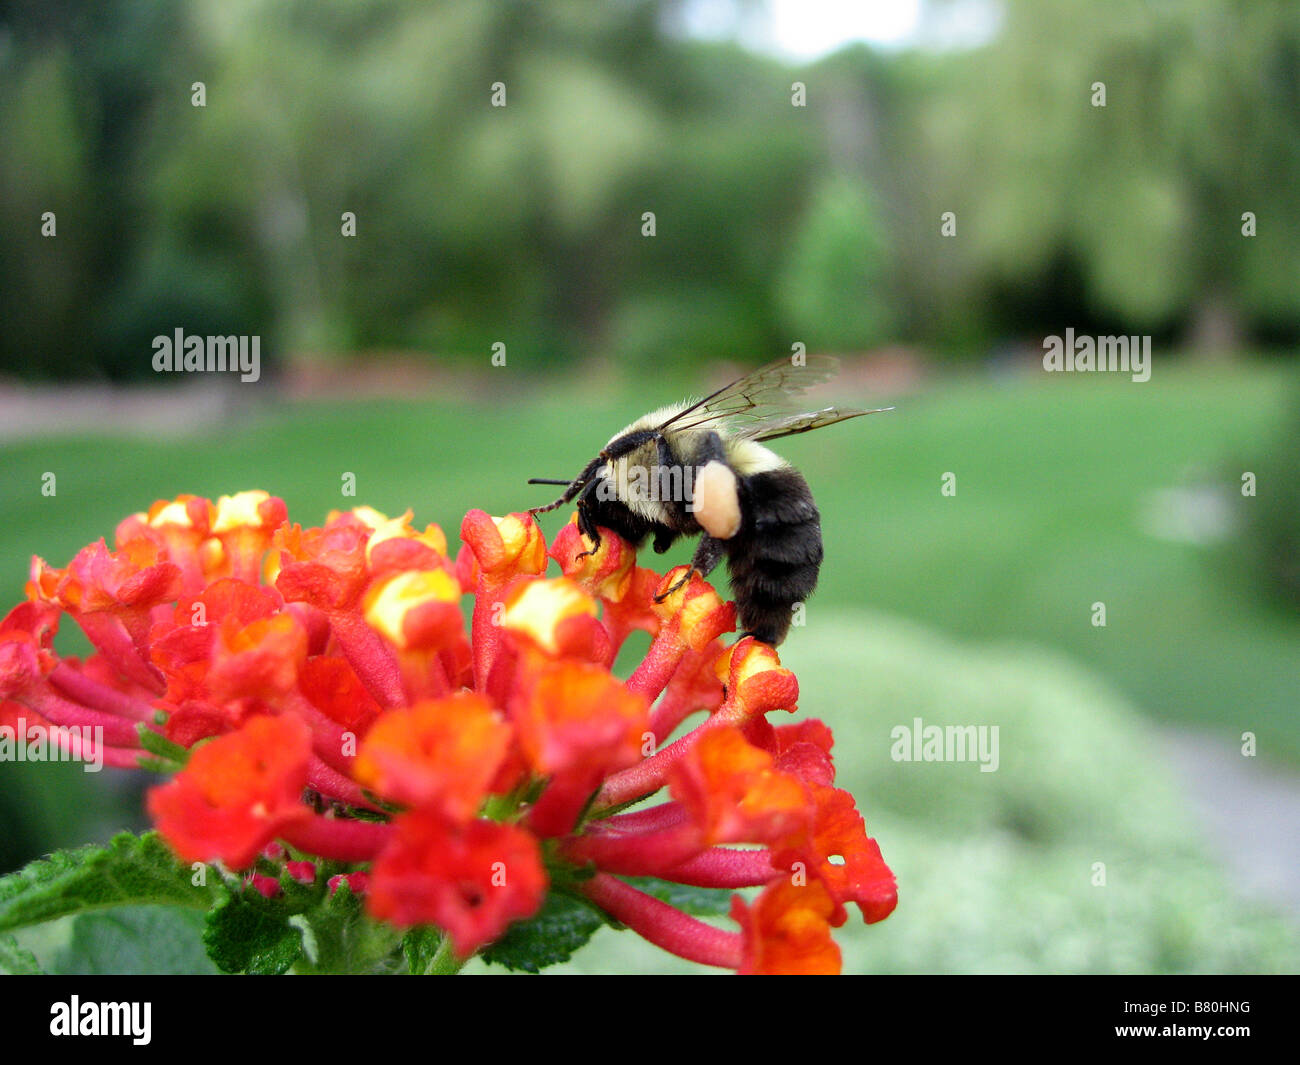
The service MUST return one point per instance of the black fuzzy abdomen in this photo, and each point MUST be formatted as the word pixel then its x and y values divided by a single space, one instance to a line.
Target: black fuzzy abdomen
pixel 775 557
pixel 618 517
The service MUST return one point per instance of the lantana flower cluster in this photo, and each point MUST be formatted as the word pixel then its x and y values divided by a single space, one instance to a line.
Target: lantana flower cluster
pixel 334 706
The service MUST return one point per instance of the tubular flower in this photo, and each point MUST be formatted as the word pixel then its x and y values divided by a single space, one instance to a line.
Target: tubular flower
pixel 462 773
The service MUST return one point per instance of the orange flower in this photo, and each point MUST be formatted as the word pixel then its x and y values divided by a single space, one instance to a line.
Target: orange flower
pixel 504 550
pixel 576 724
pixel 735 794
pixel 788 931
pixel 504 547
pixel 237 793
pixel 606 572
pixel 860 875
pixel 439 753
pixel 695 612
pixel 417 611
pixel 755 679
pixel 260 660
pixel 327 667
pixel 137 575
pixel 333 687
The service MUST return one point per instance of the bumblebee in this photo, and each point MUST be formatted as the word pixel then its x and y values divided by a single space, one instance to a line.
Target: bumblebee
pixel 701 468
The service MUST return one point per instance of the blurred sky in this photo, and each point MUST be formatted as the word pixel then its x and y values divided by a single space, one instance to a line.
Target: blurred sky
pixel 810 29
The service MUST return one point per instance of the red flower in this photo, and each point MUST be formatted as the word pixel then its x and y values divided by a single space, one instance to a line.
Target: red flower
pixel 470 880
pixel 329 669
pixel 323 567
pixel 333 688
pixel 861 875
pixel 237 793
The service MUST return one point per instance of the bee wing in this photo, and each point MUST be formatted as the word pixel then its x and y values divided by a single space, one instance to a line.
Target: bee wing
pixel 746 405
pixel 759 406
pixel 790 424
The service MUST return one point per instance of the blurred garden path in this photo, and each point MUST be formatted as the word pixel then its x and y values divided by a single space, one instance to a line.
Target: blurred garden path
pixel 30 412
pixel 1251 811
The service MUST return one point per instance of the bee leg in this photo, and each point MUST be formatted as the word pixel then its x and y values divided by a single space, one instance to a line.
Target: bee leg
pixel 707 556
pixel 534 511
pixel 594 537
pixel 664 540
pixel 586 525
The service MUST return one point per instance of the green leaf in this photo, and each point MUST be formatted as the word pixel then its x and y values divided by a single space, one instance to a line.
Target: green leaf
pixel 249 933
pixel 338 937
pixel 420 949
pixel 136 941
pixel 303 927
pixel 15 961
pixel 551 936
pixel 130 870
pixel 696 901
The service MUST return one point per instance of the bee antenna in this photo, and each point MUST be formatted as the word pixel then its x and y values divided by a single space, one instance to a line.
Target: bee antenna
pixel 545 480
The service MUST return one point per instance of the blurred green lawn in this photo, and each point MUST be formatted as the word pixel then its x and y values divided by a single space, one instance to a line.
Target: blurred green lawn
pixel 1052 473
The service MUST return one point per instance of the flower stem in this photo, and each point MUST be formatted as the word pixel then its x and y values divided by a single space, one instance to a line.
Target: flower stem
pixel 664 925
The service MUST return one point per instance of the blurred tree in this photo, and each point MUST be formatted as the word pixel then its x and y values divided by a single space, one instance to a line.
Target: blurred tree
pixel 1145 194
pixel 81 87
pixel 523 223
pixel 475 222
pixel 834 287
pixel 45 277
